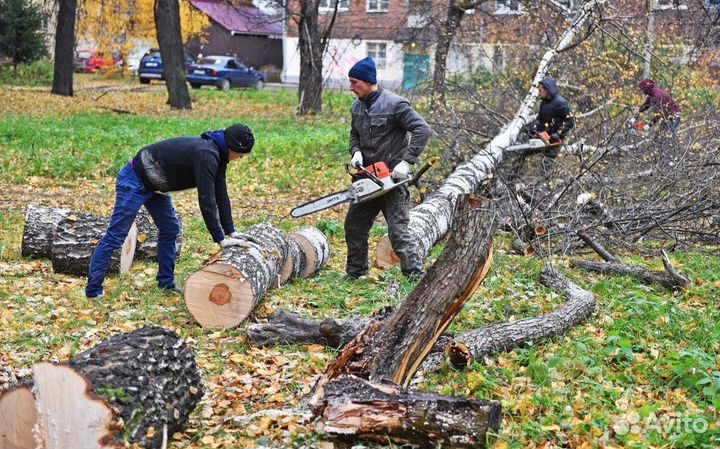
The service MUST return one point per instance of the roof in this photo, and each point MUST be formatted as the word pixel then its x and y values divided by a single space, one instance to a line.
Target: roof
pixel 240 19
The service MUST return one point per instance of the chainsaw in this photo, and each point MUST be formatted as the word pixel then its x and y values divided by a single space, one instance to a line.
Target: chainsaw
pixel 542 140
pixel 375 181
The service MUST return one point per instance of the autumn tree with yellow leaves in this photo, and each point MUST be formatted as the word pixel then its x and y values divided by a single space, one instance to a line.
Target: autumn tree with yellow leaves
pixel 118 25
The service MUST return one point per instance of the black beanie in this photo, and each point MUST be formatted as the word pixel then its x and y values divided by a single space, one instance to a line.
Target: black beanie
pixel 239 138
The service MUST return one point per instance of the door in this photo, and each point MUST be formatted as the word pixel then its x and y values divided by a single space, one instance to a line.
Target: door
pixel 416 69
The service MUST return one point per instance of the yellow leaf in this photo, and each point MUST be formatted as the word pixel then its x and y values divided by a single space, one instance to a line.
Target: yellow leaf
pixel 208 439
pixel 142 237
pixel 150 432
pixel 316 348
pixel 551 428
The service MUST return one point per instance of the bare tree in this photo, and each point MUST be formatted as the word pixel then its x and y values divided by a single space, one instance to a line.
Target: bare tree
pixel 167 24
pixel 64 47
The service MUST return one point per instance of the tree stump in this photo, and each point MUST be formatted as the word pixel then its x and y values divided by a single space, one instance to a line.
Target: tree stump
pixel 76 237
pixel 147 237
pixel 17 418
pixel 39 231
pixel 136 388
pixel 224 292
pixel 354 408
pixel 314 244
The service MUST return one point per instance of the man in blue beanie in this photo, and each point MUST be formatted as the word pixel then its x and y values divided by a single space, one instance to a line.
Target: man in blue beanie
pixel 381 122
pixel 168 166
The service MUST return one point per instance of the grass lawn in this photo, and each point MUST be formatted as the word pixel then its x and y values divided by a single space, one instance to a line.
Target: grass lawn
pixel 643 372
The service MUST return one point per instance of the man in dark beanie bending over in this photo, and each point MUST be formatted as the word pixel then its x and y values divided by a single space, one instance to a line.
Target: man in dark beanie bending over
pixel 168 166
pixel 381 122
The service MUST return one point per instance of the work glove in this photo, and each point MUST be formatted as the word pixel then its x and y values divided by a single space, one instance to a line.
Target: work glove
pixel 229 241
pixel 646 127
pixel 357 160
pixel 246 237
pixel 631 121
pixel 401 171
pixel 554 138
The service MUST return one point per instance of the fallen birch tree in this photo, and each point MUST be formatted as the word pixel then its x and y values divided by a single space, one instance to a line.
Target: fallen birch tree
pixel 430 221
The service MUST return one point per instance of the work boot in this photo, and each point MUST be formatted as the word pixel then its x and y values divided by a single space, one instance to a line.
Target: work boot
pixel 172 291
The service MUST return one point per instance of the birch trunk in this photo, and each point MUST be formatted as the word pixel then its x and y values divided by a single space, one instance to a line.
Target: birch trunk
pixel 147 237
pixel 39 232
pixel 430 221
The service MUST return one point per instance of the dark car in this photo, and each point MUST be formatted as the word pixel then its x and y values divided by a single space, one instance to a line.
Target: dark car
pixel 151 66
pixel 223 72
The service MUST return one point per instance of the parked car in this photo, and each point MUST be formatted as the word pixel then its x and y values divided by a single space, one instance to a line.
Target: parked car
pixel 88 61
pixel 223 72
pixel 151 67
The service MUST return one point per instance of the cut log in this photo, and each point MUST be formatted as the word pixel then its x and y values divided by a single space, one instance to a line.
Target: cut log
pixel 147 236
pixel 227 289
pixel 17 418
pixel 431 220
pixel 272 239
pixel 315 246
pixel 294 263
pixel 131 388
pixel 354 409
pixel 39 231
pixel 76 237
pixel 579 305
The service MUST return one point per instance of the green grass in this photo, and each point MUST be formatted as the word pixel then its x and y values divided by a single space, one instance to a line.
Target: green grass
pixel 649 357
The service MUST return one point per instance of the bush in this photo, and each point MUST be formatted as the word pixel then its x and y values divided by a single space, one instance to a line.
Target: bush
pixel 38 73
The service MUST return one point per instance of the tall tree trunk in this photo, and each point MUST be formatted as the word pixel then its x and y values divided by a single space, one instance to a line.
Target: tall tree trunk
pixel 311 53
pixel 64 46
pixel 167 24
pixel 455 14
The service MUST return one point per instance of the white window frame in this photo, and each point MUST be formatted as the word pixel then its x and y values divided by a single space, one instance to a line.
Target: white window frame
pixel 380 63
pixel 670 4
pixel 380 5
pixel 502 7
pixel 329 5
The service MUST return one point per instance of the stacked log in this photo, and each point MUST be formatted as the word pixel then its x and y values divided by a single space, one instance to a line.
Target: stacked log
pixel 147 236
pixel 39 231
pixel 135 388
pixel 76 237
pixel 226 290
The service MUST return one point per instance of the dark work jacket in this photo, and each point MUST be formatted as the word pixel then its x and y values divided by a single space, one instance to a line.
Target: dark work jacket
pixel 380 127
pixel 185 163
pixel 554 115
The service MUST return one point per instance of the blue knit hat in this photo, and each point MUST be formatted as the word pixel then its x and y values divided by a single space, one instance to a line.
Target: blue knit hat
pixel 364 70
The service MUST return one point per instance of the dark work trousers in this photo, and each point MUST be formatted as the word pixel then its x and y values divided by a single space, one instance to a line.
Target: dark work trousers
pixel 130 196
pixel 395 206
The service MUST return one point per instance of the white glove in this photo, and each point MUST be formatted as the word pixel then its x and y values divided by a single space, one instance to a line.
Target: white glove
pixel 246 237
pixel 357 160
pixel 646 127
pixel 401 171
pixel 229 241
pixel 632 121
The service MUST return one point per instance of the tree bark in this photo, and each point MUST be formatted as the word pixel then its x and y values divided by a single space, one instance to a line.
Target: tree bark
pixel 136 388
pixel 446 34
pixel 354 409
pixel 430 221
pixel 76 237
pixel 311 48
pixel 393 350
pixel 167 24
pixel 39 231
pixel 63 68
pixel 294 263
pixel 579 305
pixel 147 237
pixel 640 273
pixel 315 248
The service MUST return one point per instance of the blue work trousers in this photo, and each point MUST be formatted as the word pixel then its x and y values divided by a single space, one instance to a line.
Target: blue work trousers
pixel 130 196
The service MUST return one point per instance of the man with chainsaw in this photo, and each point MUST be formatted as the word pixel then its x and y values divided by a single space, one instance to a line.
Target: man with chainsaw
pixel 381 121
pixel 554 116
pixel 168 166
pixel 662 106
